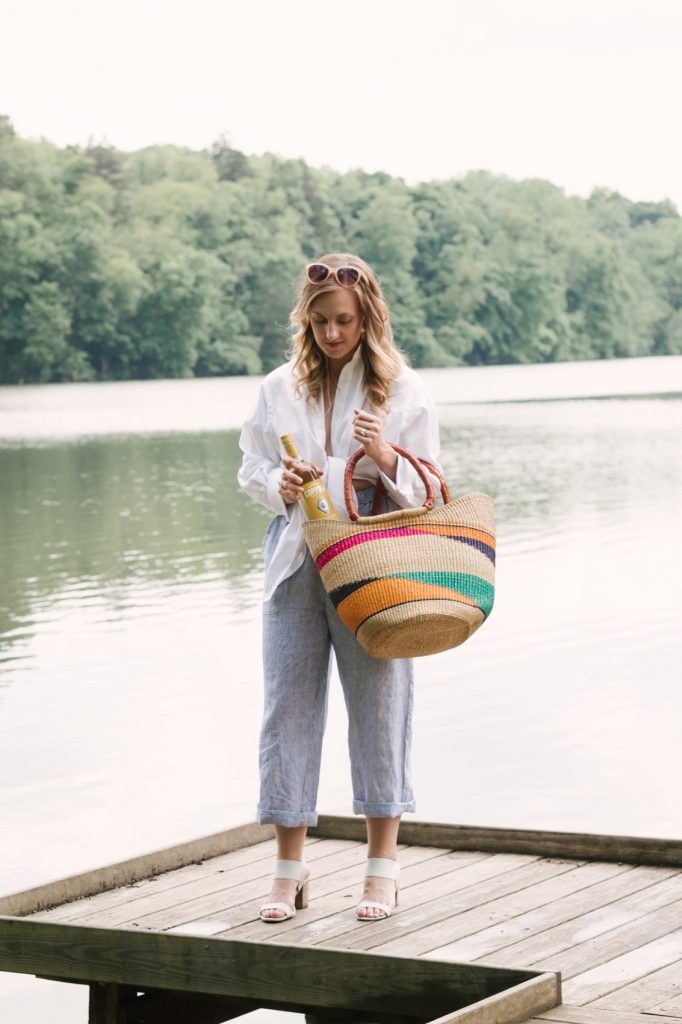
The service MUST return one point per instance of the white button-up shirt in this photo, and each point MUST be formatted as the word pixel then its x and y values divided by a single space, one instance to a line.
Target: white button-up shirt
pixel 411 422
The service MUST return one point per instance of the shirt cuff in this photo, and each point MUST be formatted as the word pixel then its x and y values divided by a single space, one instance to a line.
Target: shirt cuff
pixel 407 490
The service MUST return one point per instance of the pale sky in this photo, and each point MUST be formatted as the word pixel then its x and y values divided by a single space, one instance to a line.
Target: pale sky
pixel 584 93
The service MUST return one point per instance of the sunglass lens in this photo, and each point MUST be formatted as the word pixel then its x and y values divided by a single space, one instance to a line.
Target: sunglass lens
pixel 317 273
pixel 348 275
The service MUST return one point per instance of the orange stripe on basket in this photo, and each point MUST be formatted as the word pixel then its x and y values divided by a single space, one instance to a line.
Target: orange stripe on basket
pixel 382 594
pixel 467 523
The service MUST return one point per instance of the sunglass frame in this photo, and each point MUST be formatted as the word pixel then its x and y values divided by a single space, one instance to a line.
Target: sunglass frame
pixel 332 271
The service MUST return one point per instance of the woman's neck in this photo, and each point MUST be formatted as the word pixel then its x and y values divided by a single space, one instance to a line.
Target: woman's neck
pixel 333 368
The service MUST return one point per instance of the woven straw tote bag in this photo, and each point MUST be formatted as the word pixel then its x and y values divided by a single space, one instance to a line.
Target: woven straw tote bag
pixel 411 582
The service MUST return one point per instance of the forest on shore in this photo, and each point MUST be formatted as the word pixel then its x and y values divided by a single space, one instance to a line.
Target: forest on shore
pixel 171 262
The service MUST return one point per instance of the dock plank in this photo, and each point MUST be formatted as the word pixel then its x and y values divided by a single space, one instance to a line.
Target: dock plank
pixel 594 882
pixel 651 889
pixel 670 1007
pixel 648 990
pixel 167 888
pixel 510 1007
pixel 617 942
pixel 222 884
pixel 453 919
pixel 539 842
pixel 619 971
pixel 565 1014
pixel 74 909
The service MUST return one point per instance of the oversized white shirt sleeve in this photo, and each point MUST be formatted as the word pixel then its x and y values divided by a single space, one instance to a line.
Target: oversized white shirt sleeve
pixel 261 468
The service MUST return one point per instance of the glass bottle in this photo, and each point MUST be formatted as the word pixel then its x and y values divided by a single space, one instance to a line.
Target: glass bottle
pixel 315 500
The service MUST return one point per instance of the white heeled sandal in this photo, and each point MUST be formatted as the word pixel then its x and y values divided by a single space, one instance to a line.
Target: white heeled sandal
pixel 379 867
pixel 299 871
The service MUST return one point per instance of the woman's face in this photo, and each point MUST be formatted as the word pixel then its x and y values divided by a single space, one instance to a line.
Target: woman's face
pixel 337 323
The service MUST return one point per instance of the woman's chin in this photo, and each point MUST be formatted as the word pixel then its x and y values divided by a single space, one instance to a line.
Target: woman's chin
pixel 340 351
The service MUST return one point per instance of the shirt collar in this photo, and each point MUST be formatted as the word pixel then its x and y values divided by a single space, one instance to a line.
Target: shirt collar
pixel 354 366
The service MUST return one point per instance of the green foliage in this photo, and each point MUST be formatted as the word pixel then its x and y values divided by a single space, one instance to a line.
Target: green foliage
pixel 168 262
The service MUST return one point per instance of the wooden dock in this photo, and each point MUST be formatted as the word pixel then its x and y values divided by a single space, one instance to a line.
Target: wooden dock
pixel 494 926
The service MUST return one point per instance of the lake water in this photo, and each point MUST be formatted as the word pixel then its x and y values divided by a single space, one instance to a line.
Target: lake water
pixel 130 689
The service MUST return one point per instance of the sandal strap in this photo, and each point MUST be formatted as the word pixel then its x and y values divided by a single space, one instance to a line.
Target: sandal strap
pixel 295 869
pixel 372 903
pixel 382 867
pixel 289 911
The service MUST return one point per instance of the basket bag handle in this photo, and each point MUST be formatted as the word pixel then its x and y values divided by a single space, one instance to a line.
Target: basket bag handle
pixel 418 464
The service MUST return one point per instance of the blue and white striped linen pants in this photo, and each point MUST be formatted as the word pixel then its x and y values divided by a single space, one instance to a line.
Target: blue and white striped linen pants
pixel 300 628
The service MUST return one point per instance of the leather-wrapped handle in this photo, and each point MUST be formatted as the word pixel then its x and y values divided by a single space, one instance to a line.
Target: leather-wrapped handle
pixel 418 464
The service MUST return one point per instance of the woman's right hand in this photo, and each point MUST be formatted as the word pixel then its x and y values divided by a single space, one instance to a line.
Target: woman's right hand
pixel 290 485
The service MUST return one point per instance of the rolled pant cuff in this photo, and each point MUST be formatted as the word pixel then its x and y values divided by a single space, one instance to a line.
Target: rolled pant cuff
pixel 292 819
pixel 374 810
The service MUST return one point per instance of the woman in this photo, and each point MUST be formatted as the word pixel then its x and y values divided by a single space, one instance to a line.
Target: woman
pixel 345 386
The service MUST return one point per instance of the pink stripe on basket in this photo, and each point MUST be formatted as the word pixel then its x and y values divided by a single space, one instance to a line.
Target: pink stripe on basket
pixel 364 538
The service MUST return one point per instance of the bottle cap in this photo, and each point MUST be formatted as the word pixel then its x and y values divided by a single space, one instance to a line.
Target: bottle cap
pixel 289 445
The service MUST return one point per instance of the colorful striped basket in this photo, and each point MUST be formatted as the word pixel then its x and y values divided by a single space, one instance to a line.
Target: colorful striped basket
pixel 411 582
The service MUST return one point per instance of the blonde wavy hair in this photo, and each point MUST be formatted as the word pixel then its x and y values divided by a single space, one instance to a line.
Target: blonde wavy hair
pixel 380 356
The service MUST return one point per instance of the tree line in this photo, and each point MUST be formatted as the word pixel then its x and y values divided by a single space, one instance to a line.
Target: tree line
pixel 171 262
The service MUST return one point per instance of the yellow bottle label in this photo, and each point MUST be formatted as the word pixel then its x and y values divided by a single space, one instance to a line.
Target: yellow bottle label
pixel 316 502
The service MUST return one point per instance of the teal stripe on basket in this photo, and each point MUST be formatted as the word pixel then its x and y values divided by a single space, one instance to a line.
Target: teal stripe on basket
pixel 478 589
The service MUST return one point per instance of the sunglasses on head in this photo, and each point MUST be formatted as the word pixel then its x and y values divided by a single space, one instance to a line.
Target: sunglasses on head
pixel 318 273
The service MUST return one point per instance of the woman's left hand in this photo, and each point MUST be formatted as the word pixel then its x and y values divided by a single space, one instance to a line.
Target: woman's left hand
pixel 367 430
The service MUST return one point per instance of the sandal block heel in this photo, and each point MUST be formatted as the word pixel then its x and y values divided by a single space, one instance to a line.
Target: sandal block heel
pixel 301 900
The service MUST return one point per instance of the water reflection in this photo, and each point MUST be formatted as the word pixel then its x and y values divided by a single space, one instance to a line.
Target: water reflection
pixel 110 525
pixel 117 526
